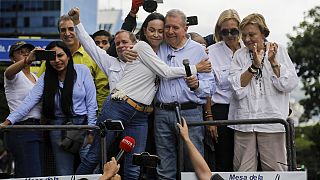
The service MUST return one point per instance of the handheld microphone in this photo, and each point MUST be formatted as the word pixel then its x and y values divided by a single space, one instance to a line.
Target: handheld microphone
pixel 185 62
pixel 216 177
pixel 126 145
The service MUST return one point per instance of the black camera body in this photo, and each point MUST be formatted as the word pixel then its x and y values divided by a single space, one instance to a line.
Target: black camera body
pixel 150 5
pixel 145 160
pixel 192 20
pixel 111 125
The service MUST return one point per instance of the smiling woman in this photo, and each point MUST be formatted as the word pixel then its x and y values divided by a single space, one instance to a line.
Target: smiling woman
pixel 67 93
pixel 262 77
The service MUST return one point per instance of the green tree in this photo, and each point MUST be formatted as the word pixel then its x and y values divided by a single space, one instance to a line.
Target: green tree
pixel 304 50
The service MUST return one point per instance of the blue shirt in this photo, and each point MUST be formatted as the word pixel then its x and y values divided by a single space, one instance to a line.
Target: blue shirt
pixel 84 97
pixel 177 90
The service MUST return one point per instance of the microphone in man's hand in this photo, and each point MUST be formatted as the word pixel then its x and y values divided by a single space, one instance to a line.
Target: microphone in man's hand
pixel 185 62
pixel 126 145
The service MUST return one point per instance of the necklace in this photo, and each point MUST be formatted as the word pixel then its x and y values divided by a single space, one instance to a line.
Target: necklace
pixel 258 76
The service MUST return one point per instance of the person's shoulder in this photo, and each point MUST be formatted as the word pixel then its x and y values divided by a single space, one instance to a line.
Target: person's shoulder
pixel 141 44
pixel 215 46
pixel 241 52
pixel 80 67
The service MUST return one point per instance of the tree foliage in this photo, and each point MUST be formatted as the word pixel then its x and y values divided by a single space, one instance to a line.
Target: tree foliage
pixel 304 50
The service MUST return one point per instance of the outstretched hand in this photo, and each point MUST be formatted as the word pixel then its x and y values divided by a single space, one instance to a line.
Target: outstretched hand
pixel 135 6
pixel 74 14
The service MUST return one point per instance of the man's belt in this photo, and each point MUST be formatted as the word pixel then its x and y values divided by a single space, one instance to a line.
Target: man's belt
pixel 172 106
pixel 138 107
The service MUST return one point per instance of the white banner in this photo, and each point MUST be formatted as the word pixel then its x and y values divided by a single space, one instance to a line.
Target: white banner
pixel 270 175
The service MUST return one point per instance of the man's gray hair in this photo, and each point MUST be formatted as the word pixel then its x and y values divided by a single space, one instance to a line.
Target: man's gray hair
pixel 177 13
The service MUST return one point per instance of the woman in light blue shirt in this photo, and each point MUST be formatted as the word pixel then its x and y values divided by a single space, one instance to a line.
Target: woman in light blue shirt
pixel 68 94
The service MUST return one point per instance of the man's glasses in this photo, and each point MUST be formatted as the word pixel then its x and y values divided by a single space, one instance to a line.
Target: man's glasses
pixel 104 42
pixel 232 32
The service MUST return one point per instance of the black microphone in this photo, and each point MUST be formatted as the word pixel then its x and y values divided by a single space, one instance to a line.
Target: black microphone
pixel 169 57
pixel 185 62
pixel 216 177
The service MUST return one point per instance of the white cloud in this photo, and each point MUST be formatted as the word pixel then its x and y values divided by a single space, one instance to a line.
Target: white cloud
pixel 280 15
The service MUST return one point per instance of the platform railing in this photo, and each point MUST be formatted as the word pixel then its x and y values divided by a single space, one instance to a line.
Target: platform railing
pixel 289 131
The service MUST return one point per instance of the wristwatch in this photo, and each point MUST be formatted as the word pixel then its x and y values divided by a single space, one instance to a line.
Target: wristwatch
pixel 253 71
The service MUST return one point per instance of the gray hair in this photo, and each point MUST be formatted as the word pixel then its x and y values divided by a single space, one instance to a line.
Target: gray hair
pixel 177 13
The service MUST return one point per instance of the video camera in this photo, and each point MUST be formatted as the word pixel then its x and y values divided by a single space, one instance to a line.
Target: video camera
pixel 145 160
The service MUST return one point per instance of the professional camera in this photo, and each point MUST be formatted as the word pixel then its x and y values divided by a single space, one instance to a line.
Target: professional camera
pixel 151 5
pixel 145 160
pixel 111 125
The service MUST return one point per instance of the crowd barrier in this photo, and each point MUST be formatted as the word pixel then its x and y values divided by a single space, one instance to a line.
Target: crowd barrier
pixel 289 131
pixel 288 125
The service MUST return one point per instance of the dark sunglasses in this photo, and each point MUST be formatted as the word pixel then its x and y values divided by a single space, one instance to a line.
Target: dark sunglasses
pixel 232 32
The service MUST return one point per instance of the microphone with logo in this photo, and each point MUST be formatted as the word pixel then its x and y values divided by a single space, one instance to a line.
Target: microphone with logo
pixel 185 62
pixel 126 145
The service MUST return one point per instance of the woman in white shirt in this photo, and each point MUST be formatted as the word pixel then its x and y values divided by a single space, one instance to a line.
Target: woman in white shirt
pixel 262 77
pixel 26 146
pixel 131 99
pixel 227 36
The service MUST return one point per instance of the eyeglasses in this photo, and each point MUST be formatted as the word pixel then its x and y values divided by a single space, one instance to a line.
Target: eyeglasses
pixel 232 32
pixel 104 42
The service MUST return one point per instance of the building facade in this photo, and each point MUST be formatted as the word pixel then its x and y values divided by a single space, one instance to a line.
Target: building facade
pixel 40 17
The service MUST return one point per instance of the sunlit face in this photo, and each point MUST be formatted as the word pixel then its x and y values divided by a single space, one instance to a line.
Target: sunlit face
pixel 232 37
pixel 154 32
pixel 122 42
pixel 252 35
pixel 102 42
pixel 67 33
pixel 175 31
pixel 61 61
pixel 20 54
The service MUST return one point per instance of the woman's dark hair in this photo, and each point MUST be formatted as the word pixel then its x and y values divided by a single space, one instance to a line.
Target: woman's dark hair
pixel 51 84
pixel 149 18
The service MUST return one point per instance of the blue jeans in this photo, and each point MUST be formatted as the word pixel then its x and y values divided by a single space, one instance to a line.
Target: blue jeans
pixel 27 149
pixel 166 134
pixel 64 160
pixel 135 125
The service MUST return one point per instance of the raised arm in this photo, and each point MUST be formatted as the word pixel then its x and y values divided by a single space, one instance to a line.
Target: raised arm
pixel 200 166
pixel 97 54
pixel 129 24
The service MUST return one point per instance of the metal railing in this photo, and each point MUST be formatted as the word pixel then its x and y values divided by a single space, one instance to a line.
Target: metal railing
pixel 288 125
pixel 61 127
pixel 289 131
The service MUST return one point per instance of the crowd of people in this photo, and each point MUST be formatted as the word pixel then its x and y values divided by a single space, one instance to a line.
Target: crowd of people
pixel 141 80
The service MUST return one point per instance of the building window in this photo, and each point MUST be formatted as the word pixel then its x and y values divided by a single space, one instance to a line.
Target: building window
pixel 8 22
pixel 106 27
pixel 48 21
pixel 26 22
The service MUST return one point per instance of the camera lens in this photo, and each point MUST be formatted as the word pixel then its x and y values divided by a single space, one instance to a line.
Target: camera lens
pixel 150 5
